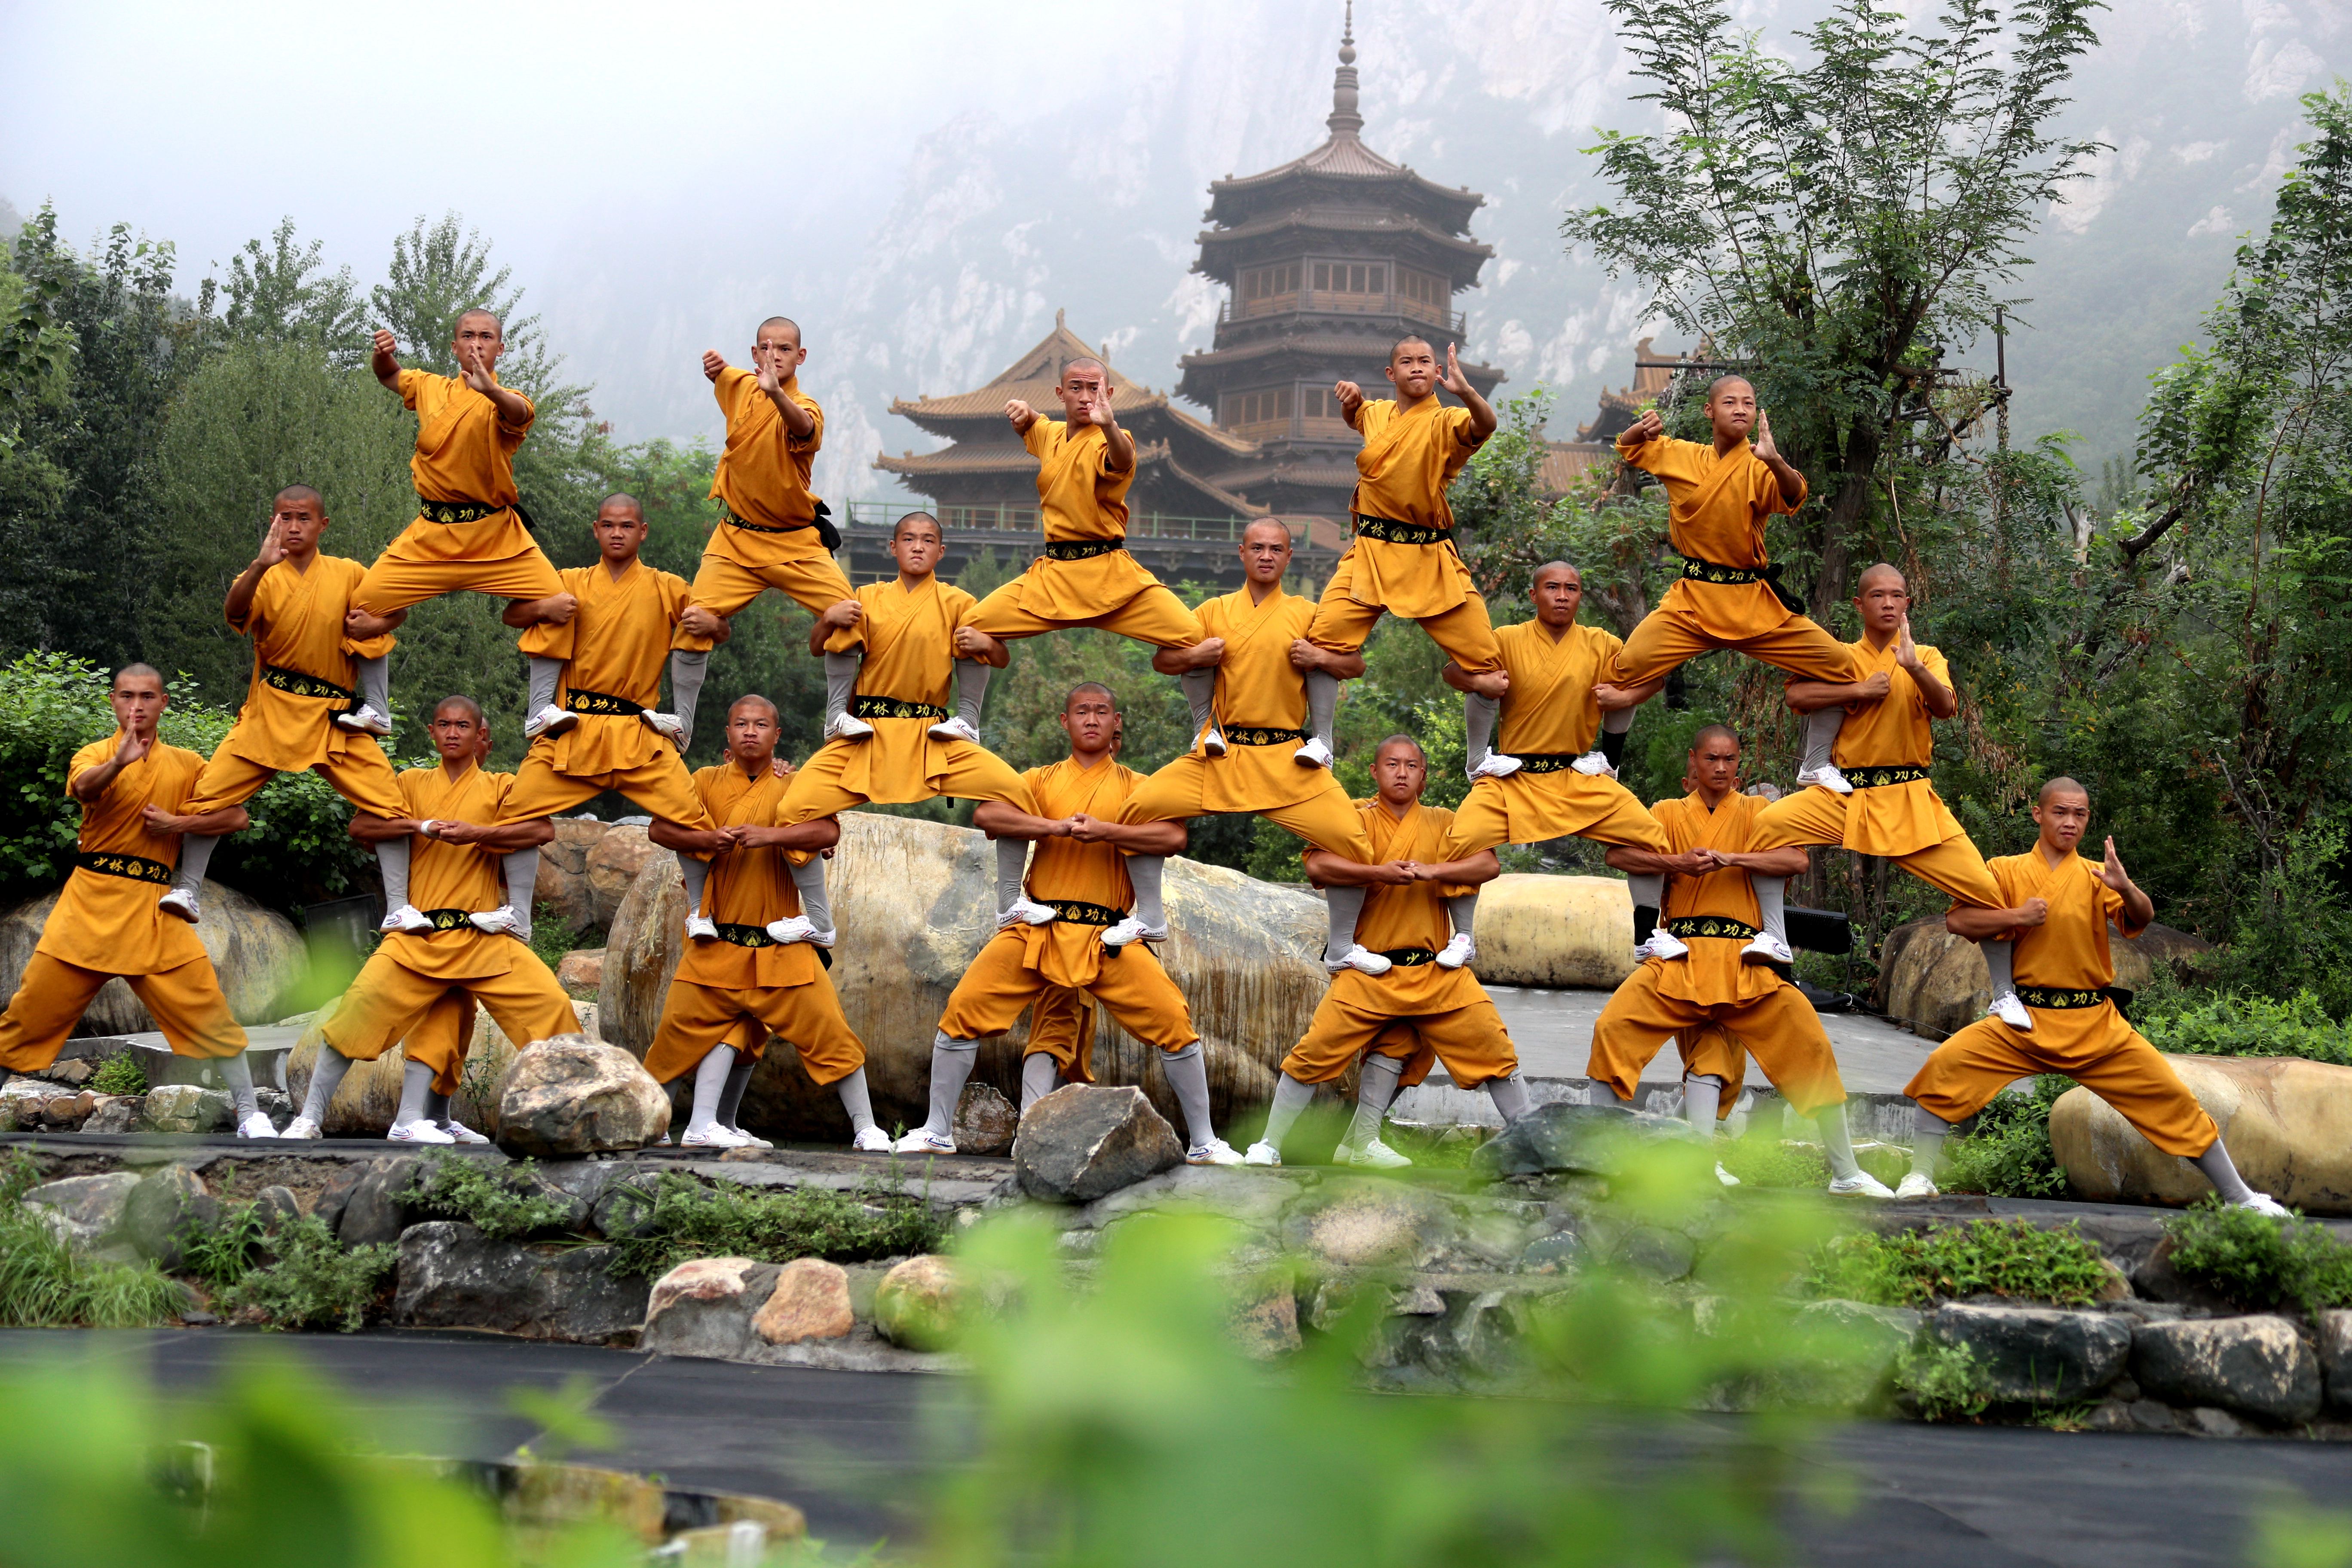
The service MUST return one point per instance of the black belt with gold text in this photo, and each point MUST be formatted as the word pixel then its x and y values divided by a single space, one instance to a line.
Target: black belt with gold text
pixel 1409 957
pixel 601 703
pixel 1723 926
pixel 757 936
pixel 1081 548
pixel 1389 530
pixel 827 535
pixel 1546 762
pixel 1879 778
pixel 2051 998
pixel 894 708
pixel 131 868
pixel 449 919
pixel 1697 570
pixel 1261 735
pixel 449 513
pixel 1078 912
pixel 295 683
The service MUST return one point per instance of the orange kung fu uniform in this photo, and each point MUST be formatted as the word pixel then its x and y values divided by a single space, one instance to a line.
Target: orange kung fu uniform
pixel 302 677
pixel 409 974
pixel 1550 719
pixel 1716 508
pixel 105 922
pixel 745 976
pixel 1449 1011
pixel 2064 968
pixel 1403 560
pixel 1716 915
pixel 1087 887
pixel 1261 708
pixel 621 636
pixel 769 537
pixel 467 533
pixel 1886 749
pixel 904 685
pixel 1086 578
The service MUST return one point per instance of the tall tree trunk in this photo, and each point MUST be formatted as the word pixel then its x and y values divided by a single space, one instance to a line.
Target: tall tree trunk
pixel 1858 472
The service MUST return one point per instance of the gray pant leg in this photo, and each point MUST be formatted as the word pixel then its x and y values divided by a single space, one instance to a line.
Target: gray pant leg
pixel 544 675
pixel 1376 1086
pixel 687 668
pixel 855 1100
pixel 730 1103
pixel 1200 687
pixel 520 870
pixel 1772 904
pixel 392 860
pixel 1510 1096
pixel 1290 1098
pixel 816 903
pixel 696 874
pixel 1345 906
pixel 710 1087
pixel 1463 910
pixel 971 690
pixel 326 1077
pixel 951 1064
pixel 1188 1079
pixel 1702 1097
pixel 416 1083
pixel 1011 866
pixel 1144 872
pixel 236 1072
pixel 1322 704
pixel 1478 716
pixel 1929 1131
pixel 840 683
pixel 195 853
pixel 1041 1075
pixel 1999 956
pixel 375 684
pixel 1821 727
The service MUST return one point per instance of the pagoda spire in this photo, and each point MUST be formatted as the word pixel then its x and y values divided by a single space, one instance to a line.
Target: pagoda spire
pixel 1345 122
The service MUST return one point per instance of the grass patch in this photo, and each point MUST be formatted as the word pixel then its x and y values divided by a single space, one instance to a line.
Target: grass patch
pixel 229 1248
pixel 503 1203
pixel 1986 1257
pixel 1436 1148
pixel 1760 1161
pixel 46 1284
pixel 2261 1262
pixel 681 1219
pixel 2236 1023
pixel 311 1282
pixel 118 1075
pixel 2008 1155
pixel 1945 1381
pixel 552 936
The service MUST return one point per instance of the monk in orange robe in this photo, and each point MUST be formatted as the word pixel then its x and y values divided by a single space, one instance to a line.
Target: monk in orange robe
pixel 105 922
pixel 1409 880
pixel 1719 498
pixel 2056 906
pixel 452 818
pixel 744 973
pixel 1081 874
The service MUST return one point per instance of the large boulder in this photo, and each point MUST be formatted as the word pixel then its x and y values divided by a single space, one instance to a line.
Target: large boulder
pixel 2039 1354
pixel 2257 1365
pixel 84 1209
pixel 1937 983
pixel 1565 1136
pixel 2287 1121
pixel 703 1307
pixel 452 1277
pixel 569 1096
pixel 562 888
pixel 256 952
pixel 374 1211
pixel 1556 932
pixel 187 1108
pixel 1086 1140
pixel 2336 1356
pixel 921 1303
pixel 164 1209
pixel 369 1098
pixel 914 904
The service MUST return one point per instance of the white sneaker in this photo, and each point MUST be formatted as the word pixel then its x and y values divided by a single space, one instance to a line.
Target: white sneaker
pixel 1828 778
pixel 1726 1177
pixel 549 721
pixel 1861 1184
pixel 1213 741
pixel 921 1141
pixel 496 921
pixel 1594 764
pixel 1495 765
pixel 1375 1153
pixel 712 1137
pixel 1916 1185
pixel 1216 1151
pixel 300 1127
pixel 407 918
pixel 179 903
pixel 1457 953
pixel 255 1126
pixel 668 726
pixel 1360 958
pixel 797 927
pixel 873 1140
pixel 461 1133
pixel 701 927
pixel 2011 1010
pixel 2265 1205
pixel 417 1131
pixel 1262 1153
pixel 1312 754
pixel 1665 944
pixel 365 720
pixel 1766 948
pixel 1131 930
pixel 955 728
pixel 1028 912
pixel 847 726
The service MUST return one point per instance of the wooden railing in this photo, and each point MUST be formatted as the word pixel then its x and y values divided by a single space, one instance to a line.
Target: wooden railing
pixel 1338 303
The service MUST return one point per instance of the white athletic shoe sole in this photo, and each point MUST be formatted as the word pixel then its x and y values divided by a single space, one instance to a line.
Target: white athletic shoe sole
pixel 701 927
pixel 2010 1010
pixel 920 1142
pixel 1916 1185
pixel 300 1127
pixel 497 921
pixel 1457 953
pixel 1213 741
pixel 667 725
pixel 1828 779
pixel 1595 765
pixel 1029 913
pixel 461 1133
pixel 407 918
pixel 1495 765
pixel 1131 930
pixel 1376 1154
pixel 180 904
pixel 1726 1177
pixel 1662 944
pixel 717 1137
pixel 1262 1153
pixel 1216 1151
pixel 1360 958
pixel 2266 1205
pixel 365 720
pixel 255 1126
pixel 954 729
pixel 1767 949
pixel 873 1140
pixel 753 1141
pixel 1312 754
pixel 845 727
pixel 796 928
pixel 1861 1184
pixel 549 721
pixel 417 1133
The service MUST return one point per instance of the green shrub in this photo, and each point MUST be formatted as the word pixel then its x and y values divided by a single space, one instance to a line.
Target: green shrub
pixel 2261 1262
pixel 683 1219
pixel 229 1248
pixel 1986 1257
pixel 2008 1154
pixel 46 1284
pixel 120 1075
pixel 1944 1381
pixel 2241 1024
pixel 1763 1161
pixel 311 1281
pixel 501 1202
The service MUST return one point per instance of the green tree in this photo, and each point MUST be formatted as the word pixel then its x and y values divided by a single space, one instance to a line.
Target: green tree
pixel 277 290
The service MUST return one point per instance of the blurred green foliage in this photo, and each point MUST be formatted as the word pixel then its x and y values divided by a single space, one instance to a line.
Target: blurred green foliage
pixel 2260 1262
pixel 47 1283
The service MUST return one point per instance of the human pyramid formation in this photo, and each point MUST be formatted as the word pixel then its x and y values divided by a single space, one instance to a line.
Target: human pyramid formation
pixel 1547 703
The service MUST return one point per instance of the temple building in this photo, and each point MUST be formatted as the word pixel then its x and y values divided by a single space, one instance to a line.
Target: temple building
pixel 1596 441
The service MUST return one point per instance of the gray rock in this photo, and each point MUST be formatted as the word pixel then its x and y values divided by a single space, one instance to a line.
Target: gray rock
pixel 2039 1354
pixel 1564 1137
pixel 1264 1322
pixel 2256 1364
pixel 1855 1347
pixel 277 1206
pixel 704 1308
pixel 1080 1143
pixel 625 1208
pixel 585 1180
pixel 116 1113
pixel 187 1108
pixel 1664 1254
pixel 451 1277
pixel 570 1096
pixel 2157 1279
pixel 335 1195
pixel 986 1122
pixel 162 1209
pixel 1370 1225
pixel 1555 1254
pixel 374 1211
pixel 2153 1415
pixel 87 1208
pixel 2336 1356
pixel 2207 1422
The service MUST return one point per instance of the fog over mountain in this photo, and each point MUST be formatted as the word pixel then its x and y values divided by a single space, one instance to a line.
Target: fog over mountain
pixel 932 186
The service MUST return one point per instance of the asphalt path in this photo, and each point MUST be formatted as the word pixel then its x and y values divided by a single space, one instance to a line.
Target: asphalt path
pixel 850 1448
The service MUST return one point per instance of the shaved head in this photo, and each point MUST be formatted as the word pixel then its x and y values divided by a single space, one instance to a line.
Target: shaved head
pixel 137 672
pixel 300 492
pixel 2062 784
pixel 1710 734
pixel 1398 739
pixel 466 705
pixel 1086 361
pixel 1881 570
pixel 1274 524
pixel 1549 567
pixel 753 700
pixel 1720 382
pixel 624 499
pixel 1083 687
pixel 1409 338
pixel 918 520
pixel 490 316
pixel 787 323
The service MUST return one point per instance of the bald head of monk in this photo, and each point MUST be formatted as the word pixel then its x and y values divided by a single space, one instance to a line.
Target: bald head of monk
pixel 298 515
pixel 1266 555
pixel 1883 600
pixel 776 347
pixel 1090 717
pixel 1399 772
pixel 139 699
pixel 1084 386
pixel 1731 410
pixel 753 729
pixel 1412 368
pixel 620 531
pixel 1558 590
pixel 2062 810
pixel 477 338
pixel 916 543
pixel 1713 770
pixel 457 731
